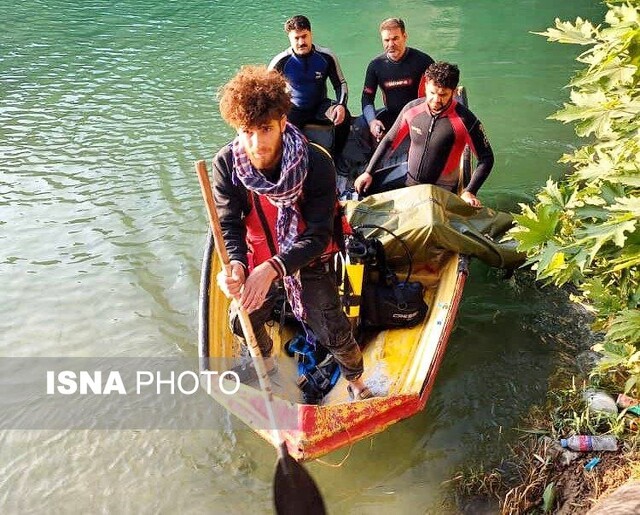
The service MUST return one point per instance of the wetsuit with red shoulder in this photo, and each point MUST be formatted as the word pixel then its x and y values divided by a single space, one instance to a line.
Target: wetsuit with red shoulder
pixel 437 143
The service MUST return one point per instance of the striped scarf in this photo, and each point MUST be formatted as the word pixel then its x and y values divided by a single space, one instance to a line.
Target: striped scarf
pixel 283 194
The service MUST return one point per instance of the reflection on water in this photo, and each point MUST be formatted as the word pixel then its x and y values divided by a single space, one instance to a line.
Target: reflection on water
pixel 103 109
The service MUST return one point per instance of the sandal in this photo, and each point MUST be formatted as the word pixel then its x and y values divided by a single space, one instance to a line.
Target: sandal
pixel 365 393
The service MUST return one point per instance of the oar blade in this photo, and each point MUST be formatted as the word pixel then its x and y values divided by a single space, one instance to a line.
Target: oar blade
pixel 294 490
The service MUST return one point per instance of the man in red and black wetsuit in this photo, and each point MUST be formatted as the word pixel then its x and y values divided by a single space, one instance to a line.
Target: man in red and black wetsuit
pixel 439 128
pixel 398 72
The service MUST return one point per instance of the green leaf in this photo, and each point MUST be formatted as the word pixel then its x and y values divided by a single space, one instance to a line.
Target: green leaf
pixel 601 296
pixel 579 33
pixel 627 204
pixel 623 15
pixel 630 383
pixel 610 192
pixel 596 169
pixel 626 180
pixel 594 236
pixel 594 212
pixel 611 75
pixel 536 228
pixel 551 260
pixel 625 327
pixel 592 110
pixel 552 193
pixel 585 105
pixel 548 497
pixel 629 257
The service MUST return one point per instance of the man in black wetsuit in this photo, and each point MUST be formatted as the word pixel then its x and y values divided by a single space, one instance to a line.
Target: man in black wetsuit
pixel 307 68
pixel 439 128
pixel 398 72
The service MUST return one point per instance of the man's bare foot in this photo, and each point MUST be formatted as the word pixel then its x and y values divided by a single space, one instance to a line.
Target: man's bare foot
pixel 358 390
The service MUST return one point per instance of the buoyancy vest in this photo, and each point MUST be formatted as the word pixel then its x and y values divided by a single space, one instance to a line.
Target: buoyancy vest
pixel 261 232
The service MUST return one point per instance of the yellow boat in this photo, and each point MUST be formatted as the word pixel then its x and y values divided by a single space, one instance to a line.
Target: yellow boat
pixel 401 366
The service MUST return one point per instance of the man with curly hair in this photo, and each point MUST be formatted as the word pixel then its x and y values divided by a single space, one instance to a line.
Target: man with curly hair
pixel 275 196
pixel 439 128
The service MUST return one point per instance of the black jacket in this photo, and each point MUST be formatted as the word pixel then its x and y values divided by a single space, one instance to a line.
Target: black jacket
pixel 317 204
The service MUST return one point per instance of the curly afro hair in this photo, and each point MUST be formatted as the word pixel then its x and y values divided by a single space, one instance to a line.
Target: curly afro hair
pixel 253 97
pixel 443 75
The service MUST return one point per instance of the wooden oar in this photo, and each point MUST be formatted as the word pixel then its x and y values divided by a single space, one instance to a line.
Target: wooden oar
pixel 294 490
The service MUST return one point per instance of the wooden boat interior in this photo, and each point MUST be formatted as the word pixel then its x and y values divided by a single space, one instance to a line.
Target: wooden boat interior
pixel 396 361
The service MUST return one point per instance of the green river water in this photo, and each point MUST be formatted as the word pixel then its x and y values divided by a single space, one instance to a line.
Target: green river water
pixel 103 108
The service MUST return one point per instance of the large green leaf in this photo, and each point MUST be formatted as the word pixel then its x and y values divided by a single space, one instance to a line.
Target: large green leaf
pixel 594 212
pixel 594 236
pixel 551 260
pixel 535 228
pixel 585 105
pixel 627 204
pixel 626 180
pixel 611 75
pixel 626 14
pixel 553 194
pixel 625 328
pixel 593 111
pixel 611 191
pixel 629 258
pixel 580 33
pixel 596 169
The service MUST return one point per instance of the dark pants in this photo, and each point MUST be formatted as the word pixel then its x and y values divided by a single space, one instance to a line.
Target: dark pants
pixel 301 117
pixel 324 316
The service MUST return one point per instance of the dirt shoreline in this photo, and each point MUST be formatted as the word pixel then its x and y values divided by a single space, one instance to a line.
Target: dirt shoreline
pixel 537 475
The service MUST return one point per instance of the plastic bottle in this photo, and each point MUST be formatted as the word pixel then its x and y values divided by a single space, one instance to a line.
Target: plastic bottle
pixel 624 401
pixel 584 443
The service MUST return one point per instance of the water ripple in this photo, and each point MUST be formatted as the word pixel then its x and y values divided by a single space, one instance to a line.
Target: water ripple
pixel 104 106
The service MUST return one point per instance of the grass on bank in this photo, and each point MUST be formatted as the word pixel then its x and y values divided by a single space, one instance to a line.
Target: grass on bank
pixel 535 478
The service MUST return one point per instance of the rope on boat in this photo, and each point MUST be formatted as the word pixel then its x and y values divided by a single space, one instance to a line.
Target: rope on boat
pixel 337 465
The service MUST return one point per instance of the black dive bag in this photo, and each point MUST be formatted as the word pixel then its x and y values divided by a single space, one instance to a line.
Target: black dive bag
pixel 386 301
pixel 395 305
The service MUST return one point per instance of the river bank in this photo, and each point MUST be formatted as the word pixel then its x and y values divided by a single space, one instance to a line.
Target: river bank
pixel 537 475
pixel 582 231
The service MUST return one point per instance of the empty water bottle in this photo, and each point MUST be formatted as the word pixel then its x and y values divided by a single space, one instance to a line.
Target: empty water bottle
pixel 624 401
pixel 584 443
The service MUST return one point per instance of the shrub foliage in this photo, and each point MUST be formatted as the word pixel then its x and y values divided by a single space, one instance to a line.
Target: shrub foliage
pixel 585 229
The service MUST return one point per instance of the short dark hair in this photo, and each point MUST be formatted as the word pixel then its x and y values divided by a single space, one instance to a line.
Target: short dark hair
pixel 254 96
pixel 297 22
pixel 392 23
pixel 443 75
